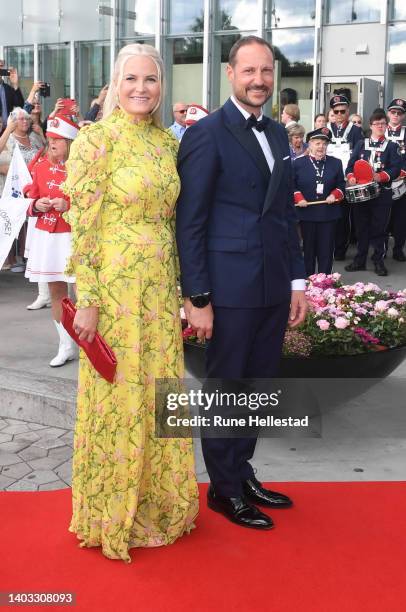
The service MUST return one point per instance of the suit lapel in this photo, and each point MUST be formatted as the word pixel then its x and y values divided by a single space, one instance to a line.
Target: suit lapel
pixel 235 123
pixel 276 176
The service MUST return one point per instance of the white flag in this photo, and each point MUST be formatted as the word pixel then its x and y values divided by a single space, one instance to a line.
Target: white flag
pixel 17 176
pixel 12 215
pixel 13 207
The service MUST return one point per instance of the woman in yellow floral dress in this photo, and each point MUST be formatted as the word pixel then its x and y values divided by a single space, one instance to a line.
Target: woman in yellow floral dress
pixel 129 488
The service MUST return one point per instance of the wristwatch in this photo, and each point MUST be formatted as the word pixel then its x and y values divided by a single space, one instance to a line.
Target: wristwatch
pixel 200 300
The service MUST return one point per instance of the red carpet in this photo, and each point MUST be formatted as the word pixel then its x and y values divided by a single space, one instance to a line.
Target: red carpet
pixel 341 548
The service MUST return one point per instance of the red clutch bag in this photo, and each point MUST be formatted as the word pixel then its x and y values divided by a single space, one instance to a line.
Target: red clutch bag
pixel 98 352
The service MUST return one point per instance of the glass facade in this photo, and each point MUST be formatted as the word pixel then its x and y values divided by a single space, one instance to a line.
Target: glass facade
pixel 353 11
pixel 282 14
pixel 60 40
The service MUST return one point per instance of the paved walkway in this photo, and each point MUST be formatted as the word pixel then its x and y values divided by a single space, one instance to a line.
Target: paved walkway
pixel 34 457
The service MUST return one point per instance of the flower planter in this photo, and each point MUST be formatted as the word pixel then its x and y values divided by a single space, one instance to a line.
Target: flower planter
pixel 360 371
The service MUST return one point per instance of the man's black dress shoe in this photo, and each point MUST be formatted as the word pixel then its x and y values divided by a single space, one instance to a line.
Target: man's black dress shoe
pixel 400 256
pixel 354 267
pixel 254 491
pixel 239 511
pixel 380 269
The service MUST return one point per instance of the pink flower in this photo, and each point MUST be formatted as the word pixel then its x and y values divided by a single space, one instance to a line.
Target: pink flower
pixel 323 324
pixel 341 323
pixel 381 306
pixel 392 312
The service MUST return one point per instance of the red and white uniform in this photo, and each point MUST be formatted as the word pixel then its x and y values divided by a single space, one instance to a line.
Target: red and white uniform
pixel 50 243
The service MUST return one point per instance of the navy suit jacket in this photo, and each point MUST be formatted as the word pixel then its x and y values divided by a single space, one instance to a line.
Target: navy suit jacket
pixel 236 223
pixel 305 181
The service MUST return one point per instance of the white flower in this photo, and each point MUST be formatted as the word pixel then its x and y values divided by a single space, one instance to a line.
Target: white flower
pixel 392 312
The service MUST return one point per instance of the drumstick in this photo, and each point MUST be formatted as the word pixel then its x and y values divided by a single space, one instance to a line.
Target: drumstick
pixel 314 202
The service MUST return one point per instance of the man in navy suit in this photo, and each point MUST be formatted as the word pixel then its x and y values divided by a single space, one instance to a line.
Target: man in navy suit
pixel 241 267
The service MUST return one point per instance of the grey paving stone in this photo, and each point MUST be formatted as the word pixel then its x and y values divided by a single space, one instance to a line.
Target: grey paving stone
pixel 14 421
pixel 36 426
pixel 15 429
pixel 68 438
pixel 30 436
pixel 5 482
pixel 55 432
pixel 23 485
pixel 14 447
pixel 63 453
pixel 33 452
pixel 9 459
pixel 19 470
pixel 53 486
pixel 47 463
pixel 64 471
pixel 48 442
pixel 5 437
pixel 3 423
pixel 41 476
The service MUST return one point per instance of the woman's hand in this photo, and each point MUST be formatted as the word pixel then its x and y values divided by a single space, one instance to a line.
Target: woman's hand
pixel 85 322
pixel 43 205
pixel 352 181
pixel 330 199
pixel 11 124
pixel 58 105
pixel 302 204
pixel 59 204
pixel 34 90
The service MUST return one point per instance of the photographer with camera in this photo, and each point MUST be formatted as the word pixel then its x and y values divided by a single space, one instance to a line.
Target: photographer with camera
pixel 10 95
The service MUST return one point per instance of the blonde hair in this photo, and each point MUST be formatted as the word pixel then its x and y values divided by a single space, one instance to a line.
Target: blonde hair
pixel 127 52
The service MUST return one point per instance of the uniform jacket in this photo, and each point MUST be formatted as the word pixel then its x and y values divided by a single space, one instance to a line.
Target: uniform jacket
pixel 236 223
pixel 398 136
pixel 46 180
pixel 391 165
pixel 305 181
pixel 354 135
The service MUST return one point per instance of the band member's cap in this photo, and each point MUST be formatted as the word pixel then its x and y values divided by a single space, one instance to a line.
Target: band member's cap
pixel 61 127
pixel 398 104
pixel 338 99
pixel 195 112
pixel 323 133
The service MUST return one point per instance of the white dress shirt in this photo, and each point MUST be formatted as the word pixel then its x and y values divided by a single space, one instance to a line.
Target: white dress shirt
pixel 297 283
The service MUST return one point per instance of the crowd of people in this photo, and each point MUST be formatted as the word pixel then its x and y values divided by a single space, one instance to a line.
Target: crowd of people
pixel 260 206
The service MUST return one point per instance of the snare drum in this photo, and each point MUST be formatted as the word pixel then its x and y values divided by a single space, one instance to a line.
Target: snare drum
pixel 398 188
pixel 362 193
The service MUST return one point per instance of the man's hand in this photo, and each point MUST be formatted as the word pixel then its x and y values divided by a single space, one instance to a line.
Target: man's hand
pixel 298 308
pixel 377 177
pixel 85 322
pixel 352 181
pixel 330 199
pixel 13 77
pixel 200 319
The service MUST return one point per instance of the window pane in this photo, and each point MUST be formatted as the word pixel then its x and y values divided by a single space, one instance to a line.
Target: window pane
pixel 136 17
pixel 294 53
pixel 186 16
pixel 399 9
pixel 282 14
pixel 397 62
pixel 349 11
pixel 236 14
pixel 187 70
pixel 93 72
pixel 22 58
pixel 83 20
pixel 54 62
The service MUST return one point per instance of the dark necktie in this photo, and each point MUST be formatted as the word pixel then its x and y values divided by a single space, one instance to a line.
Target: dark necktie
pixel 252 122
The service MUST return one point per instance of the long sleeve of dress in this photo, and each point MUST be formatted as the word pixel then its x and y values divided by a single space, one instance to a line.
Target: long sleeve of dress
pixel 88 174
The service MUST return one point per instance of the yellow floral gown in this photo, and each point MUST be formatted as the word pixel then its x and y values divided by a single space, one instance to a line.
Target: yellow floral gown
pixel 129 488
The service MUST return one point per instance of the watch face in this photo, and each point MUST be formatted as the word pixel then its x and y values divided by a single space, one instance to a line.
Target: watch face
pixel 200 301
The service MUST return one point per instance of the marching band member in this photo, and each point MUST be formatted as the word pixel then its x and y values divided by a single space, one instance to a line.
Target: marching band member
pixel 50 242
pixel 345 136
pixel 318 176
pixel 396 132
pixel 372 217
